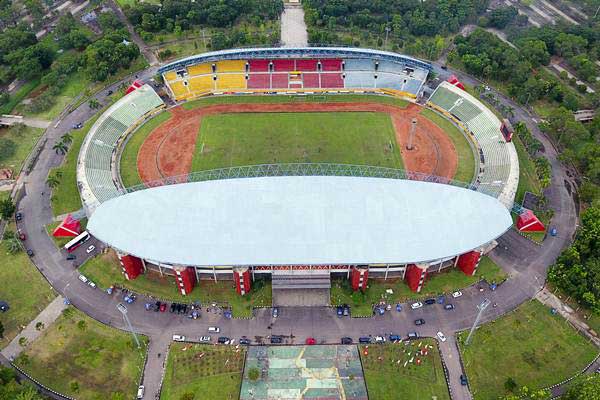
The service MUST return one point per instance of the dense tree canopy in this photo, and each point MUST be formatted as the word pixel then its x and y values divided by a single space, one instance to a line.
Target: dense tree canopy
pixel 586 387
pixel 11 389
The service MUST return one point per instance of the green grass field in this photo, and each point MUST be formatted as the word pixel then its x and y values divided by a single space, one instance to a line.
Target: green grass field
pixel 23 139
pixel 466 160
pixel 445 282
pixel 207 371
pixel 105 271
pixel 264 138
pixel 24 289
pixel 128 163
pixel 85 359
pixel 19 95
pixel 530 345
pixel 387 378
pixel 528 180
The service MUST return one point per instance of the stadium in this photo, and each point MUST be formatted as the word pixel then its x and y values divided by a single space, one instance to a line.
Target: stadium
pixel 353 173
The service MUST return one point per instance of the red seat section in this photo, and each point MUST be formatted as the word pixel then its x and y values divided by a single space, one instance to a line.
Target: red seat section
pixel 258 65
pixel 259 81
pixel 279 81
pixel 283 65
pixel 310 80
pixel 331 64
pixel 332 80
pixel 306 65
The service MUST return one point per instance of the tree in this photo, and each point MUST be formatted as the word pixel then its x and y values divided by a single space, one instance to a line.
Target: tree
pixel 67 138
pixel 7 208
pixel 1 330
pixel 52 181
pixel 502 16
pixel 586 387
pixel 60 148
pixel 529 394
pixel 94 104
pixel 536 52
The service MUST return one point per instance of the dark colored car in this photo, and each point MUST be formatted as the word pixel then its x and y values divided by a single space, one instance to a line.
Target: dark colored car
pixel 364 340
pixel 276 339
pixel 444 67
pixel 463 380
pixel 71 257
pixel 30 252
pixel 394 338
pixel 18 216
pixel 275 312
pixel 346 340
pixel 172 308
pixel 419 321
pixel 163 307
pixel 223 340
pixel 157 306
pixel 413 335
pixel 441 299
pixel 109 93
pixel 184 308
pixel 429 301
pixel 449 306
pixel 340 311
pixel 245 341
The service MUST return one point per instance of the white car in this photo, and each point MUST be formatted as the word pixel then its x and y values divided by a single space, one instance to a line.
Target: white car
pixel 178 338
pixel 456 294
pixel 379 339
pixel 204 339
pixel 91 284
pixel 416 305
pixel 214 329
pixel 140 393
pixel 82 278
pixel 90 248
pixel 441 336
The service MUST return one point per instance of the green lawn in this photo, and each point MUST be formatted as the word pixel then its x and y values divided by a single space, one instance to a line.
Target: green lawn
pixel 388 379
pixel 105 271
pixel 444 282
pixel 19 95
pixel 264 138
pixel 65 197
pixel 355 98
pixel 85 359
pixel 24 289
pixel 206 371
pixel 530 345
pixel 128 163
pixel 19 140
pixel 528 179
pixel 466 160
pixel 183 48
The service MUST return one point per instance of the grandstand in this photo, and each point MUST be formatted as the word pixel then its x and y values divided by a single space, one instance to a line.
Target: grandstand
pixel 498 167
pixel 95 175
pixel 297 69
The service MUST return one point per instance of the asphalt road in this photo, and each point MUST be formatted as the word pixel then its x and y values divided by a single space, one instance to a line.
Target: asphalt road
pixel 527 264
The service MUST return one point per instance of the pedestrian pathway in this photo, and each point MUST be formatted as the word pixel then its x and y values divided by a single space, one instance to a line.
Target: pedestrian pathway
pixel 31 333
pixel 451 358
pixel 293 27
pixel 18 119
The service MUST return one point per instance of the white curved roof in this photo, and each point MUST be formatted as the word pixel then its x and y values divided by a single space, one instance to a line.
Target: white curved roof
pixel 299 220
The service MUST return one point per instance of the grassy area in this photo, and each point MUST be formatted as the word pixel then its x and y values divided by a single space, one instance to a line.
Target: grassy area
pixel 263 138
pixel 128 163
pixel 24 289
pixel 19 95
pixel 593 320
pixel 466 160
pixel 85 359
pixel 387 376
pixel 533 347
pixel 65 197
pixel 444 282
pixel 528 179
pixel 207 371
pixel 105 271
pixel 21 139
pixel 183 48
pixel 61 241
pixel 207 101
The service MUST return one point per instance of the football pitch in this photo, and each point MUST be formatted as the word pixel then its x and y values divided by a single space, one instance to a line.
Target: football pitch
pixel 366 138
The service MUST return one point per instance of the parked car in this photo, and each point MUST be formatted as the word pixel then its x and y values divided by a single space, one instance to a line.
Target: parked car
pixel 419 321
pixel 71 257
pixel 172 308
pixel 204 339
pixel 416 305
pixel 364 339
pixel 449 306
pixel 157 306
pixel 346 310
pixel 140 392
pixel 340 311
pixel 22 236
pixel 223 340
pixel 183 308
pixel 148 306
pixel 310 341
pixel 275 312
pixel 463 380
pixel 91 284
pixel 394 337
pixel 178 338
pixel 163 307
pixel 244 341
pixel 82 278
pixel 214 329
pixel 90 248
pixel 18 216
pixel 109 93
pixel 456 294
pixel 379 339
pixel 441 299
pixel 346 340
pixel 441 336
pixel 398 307
pixel 30 252
pixel 413 335
pixel 275 339
pixel 430 301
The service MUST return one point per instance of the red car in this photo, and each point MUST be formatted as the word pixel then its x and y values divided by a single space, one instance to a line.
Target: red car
pixel 22 236
pixel 311 341
pixel 163 307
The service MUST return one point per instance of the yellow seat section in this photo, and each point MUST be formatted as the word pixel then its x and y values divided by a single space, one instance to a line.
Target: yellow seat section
pixel 231 81
pixel 201 83
pixel 231 66
pixel 180 91
pixel 200 69
pixel 170 75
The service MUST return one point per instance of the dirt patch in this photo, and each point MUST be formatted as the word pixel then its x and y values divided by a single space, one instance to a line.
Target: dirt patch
pixel 169 149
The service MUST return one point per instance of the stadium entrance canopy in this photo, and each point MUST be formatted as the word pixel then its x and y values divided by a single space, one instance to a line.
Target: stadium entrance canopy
pixel 299 220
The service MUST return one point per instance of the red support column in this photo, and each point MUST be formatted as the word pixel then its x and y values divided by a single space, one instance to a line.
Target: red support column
pixel 359 278
pixel 415 276
pixel 132 266
pixel 185 278
pixel 469 262
pixel 243 280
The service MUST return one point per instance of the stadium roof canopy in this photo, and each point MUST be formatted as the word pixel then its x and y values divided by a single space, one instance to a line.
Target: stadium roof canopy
pixel 299 220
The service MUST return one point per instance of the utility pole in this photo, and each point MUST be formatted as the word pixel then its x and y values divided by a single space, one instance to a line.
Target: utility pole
pixel 123 310
pixel 411 135
pixel 481 307
pixel 387 32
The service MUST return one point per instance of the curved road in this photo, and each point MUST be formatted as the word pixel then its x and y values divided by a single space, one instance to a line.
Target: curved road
pixel 526 262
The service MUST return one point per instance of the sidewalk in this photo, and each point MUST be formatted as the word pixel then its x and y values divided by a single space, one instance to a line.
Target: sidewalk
pixel 451 357
pixel 47 317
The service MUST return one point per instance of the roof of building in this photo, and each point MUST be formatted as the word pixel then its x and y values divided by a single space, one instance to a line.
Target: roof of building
pixel 299 220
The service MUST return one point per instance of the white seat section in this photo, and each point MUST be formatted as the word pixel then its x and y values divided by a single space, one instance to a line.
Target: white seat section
pixel 500 165
pixel 94 171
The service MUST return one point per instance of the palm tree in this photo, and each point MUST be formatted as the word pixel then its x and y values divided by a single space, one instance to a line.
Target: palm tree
pixel 60 147
pixel 93 103
pixel 67 138
pixel 13 245
pixel 52 181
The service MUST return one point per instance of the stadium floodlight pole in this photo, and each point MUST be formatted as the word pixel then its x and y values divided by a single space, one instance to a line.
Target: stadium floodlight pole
pixel 411 135
pixel 481 307
pixel 123 310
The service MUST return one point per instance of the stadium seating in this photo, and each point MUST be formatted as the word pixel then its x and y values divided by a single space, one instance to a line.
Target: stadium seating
pixel 390 66
pixel 332 80
pixel 359 79
pixel 279 81
pixel 258 65
pixel 359 64
pixel 200 69
pixel 231 81
pixel 170 76
pixel 389 80
pixel 231 66
pixel 180 91
pixel 259 81
pixel 331 64
pixel 201 83
pixel 306 65
pixel 311 80
pixel 283 65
